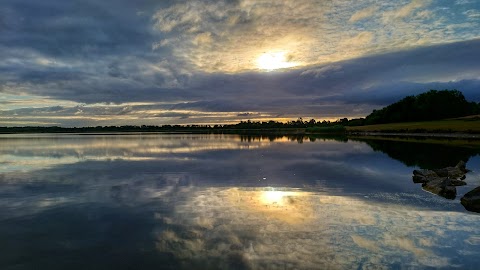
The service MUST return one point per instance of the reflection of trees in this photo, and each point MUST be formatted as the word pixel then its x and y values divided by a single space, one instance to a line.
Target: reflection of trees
pixel 423 155
pixel 300 138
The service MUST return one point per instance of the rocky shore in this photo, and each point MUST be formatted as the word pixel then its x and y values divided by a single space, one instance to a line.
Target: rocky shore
pixel 443 182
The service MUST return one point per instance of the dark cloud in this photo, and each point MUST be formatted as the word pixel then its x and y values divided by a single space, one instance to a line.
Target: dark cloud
pixel 76 28
pixel 435 65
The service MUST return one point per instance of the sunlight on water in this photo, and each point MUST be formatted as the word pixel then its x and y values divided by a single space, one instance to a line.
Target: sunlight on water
pixel 228 202
pixel 309 230
pixel 23 153
pixel 275 197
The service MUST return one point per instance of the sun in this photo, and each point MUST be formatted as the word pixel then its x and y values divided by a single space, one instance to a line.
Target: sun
pixel 274 60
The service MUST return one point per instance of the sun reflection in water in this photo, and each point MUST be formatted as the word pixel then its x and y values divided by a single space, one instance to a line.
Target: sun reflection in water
pixel 277 197
pixel 290 206
pixel 309 229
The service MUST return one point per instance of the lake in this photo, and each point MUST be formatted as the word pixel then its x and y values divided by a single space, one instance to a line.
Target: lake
pixel 183 201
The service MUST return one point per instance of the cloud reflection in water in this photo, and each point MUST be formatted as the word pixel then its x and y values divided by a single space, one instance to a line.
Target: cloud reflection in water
pixel 303 230
pixel 29 152
pixel 198 201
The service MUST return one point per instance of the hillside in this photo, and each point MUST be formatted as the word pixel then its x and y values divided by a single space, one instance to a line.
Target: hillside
pixel 428 106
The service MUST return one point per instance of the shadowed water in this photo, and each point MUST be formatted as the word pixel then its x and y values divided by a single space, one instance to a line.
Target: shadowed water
pixel 230 202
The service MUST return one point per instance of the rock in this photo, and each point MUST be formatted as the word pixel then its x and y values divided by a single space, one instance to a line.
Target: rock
pixel 452 172
pixel 462 166
pixel 456 182
pixel 441 187
pixel 455 172
pixel 420 179
pixel 471 200
pixel 425 173
pixel 443 182
pixel 441 172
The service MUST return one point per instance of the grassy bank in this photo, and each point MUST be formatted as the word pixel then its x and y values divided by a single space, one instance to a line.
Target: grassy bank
pixel 460 125
pixel 337 129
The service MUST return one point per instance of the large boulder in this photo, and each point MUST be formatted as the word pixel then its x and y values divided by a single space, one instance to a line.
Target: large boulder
pixel 441 187
pixel 443 181
pixel 471 200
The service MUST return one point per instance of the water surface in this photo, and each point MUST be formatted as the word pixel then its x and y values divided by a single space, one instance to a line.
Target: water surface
pixel 230 202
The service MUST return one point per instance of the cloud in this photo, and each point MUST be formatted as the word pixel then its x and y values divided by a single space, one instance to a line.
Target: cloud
pixel 212 31
pixel 201 58
pixel 361 39
pixel 351 88
pixel 322 71
pixel 304 30
pixel 406 10
pixel 363 14
pixel 203 38
pixel 74 29
pixel 365 243
pixel 472 14
pixel 463 2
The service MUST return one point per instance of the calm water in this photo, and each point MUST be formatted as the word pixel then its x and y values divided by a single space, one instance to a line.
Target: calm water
pixel 229 202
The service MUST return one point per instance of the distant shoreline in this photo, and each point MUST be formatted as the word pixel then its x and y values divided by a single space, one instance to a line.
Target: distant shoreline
pixel 263 132
pixel 464 127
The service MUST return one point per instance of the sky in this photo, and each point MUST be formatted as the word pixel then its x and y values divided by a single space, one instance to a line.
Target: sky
pixel 156 62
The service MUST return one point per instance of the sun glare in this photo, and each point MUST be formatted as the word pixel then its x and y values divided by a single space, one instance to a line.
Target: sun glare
pixel 276 197
pixel 274 60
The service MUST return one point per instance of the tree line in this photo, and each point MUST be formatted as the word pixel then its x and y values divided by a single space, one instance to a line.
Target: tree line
pixel 431 105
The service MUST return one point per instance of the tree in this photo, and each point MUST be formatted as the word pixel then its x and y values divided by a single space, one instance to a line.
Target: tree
pixel 431 105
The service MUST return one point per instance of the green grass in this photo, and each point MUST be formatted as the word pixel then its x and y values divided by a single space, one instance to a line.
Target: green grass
pixel 460 125
pixel 331 129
